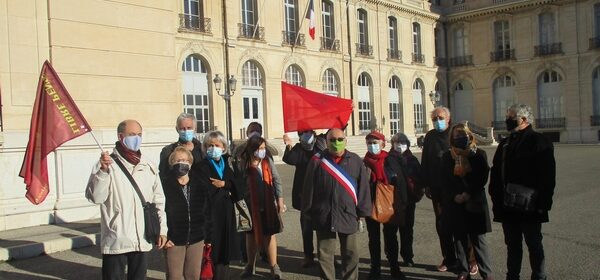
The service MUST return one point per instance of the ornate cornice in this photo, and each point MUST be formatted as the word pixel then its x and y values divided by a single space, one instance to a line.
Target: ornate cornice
pixel 429 16
pixel 508 8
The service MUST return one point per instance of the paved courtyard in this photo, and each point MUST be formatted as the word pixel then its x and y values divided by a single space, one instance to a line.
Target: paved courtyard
pixel 571 239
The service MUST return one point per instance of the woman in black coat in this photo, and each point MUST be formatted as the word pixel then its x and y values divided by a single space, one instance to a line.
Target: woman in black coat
pixel 224 189
pixel 466 170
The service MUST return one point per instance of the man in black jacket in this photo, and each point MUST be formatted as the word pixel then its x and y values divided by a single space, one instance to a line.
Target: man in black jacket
pixel 186 128
pixel 299 155
pixel 525 158
pixel 335 195
pixel 434 146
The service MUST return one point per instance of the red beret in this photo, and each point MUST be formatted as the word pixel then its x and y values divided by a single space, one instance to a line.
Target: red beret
pixel 375 135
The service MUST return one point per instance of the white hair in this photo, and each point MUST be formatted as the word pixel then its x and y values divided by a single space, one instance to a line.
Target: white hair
pixel 523 111
pixel 438 108
pixel 184 116
pixel 215 134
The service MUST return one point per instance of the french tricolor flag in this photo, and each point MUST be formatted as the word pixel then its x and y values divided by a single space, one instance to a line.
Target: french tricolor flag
pixel 310 15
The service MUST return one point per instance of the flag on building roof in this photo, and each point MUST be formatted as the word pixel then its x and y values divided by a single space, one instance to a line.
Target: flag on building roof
pixel 310 15
pixel 304 109
pixel 54 121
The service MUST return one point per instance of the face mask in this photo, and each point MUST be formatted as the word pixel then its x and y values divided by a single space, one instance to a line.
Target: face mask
pixel 337 146
pixel 261 153
pixel 440 125
pixel 253 133
pixel 374 149
pixel 461 142
pixel 181 169
pixel 132 142
pixel 307 138
pixel 401 147
pixel 214 152
pixel 511 124
pixel 186 135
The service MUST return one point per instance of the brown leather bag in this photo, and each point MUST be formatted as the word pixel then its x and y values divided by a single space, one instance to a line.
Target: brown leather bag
pixel 383 205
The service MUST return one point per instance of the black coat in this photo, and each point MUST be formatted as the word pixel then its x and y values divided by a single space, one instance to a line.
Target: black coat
pixel 298 157
pixel 405 166
pixel 163 165
pixel 530 162
pixel 434 147
pixel 472 216
pixel 221 230
pixel 186 225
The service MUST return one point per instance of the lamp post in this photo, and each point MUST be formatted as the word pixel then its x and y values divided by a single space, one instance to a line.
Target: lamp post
pixel 226 94
pixel 434 96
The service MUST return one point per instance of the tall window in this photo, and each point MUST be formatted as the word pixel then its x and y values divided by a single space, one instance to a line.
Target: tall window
pixel 502 36
pixel 418 106
pixel 550 95
pixel 193 12
pixel 416 38
pixel 251 75
pixel 393 33
pixel 252 94
pixel 330 82
pixel 439 42
pixel 291 22
pixel 504 97
pixel 597 20
pixel 249 13
pixel 461 42
pixel 195 92
pixel 327 17
pixel 546 21
pixel 293 75
pixel 363 34
pixel 596 96
pixel 395 109
pixel 364 102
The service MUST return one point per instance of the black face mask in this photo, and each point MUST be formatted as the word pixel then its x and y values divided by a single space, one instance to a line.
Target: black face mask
pixel 511 124
pixel 461 142
pixel 180 169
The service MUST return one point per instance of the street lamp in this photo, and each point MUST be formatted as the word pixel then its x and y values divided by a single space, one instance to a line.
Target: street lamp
pixel 227 94
pixel 434 96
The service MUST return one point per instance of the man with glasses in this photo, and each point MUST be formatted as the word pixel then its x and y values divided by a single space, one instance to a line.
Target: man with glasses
pixel 335 195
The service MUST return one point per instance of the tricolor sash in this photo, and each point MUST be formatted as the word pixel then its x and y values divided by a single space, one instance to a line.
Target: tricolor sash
pixel 339 174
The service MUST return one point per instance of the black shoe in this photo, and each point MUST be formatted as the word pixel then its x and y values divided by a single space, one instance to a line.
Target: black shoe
pixel 409 263
pixel 396 273
pixel 375 273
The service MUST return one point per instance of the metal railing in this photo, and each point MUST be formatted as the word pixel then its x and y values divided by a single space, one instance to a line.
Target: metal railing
pixel 394 54
pixel 194 23
pixel 440 61
pixel 461 60
pixel 422 128
pixel 548 49
pixel 329 44
pixel 550 123
pixel 289 38
pixel 364 50
pixel 594 120
pixel 418 58
pixel 594 43
pixel 251 31
pixel 502 55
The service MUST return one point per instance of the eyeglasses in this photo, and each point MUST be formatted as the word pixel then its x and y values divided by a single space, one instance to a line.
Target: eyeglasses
pixel 339 139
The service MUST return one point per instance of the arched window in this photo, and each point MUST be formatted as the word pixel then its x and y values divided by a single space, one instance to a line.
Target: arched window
pixel 550 100
pixel 395 101
pixel 504 97
pixel 251 75
pixel 364 102
pixel 462 107
pixel 418 106
pixel 330 82
pixel 294 76
pixel 196 99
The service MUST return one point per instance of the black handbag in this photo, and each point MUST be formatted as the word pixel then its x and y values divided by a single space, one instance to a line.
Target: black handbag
pixel 517 197
pixel 243 219
pixel 151 218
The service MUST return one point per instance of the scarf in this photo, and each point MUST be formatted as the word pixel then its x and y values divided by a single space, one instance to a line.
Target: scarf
pixel 270 210
pixel 375 163
pixel 129 155
pixel 461 162
pixel 219 166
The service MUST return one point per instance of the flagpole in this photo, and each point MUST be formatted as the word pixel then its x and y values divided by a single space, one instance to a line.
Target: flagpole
pixel 300 27
pixel 97 142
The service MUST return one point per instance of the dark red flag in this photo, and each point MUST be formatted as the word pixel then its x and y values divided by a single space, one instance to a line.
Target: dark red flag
pixel 304 109
pixel 54 121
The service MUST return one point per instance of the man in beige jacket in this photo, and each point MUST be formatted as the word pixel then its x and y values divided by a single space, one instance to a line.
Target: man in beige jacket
pixel 122 215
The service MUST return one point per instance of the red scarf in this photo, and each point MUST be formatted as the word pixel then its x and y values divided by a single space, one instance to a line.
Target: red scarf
pixel 270 209
pixel 375 163
pixel 129 155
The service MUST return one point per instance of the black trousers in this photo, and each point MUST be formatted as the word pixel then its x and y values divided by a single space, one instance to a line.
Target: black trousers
pixel 444 233
pixel 113 266
pixel 513 237
pixel 407 233
pixel 390 245
pixel 307 236
pixel 482 254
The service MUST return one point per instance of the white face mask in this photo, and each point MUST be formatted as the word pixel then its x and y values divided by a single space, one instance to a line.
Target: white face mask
pixel 253 133
pixel 401 147
pixel 261 153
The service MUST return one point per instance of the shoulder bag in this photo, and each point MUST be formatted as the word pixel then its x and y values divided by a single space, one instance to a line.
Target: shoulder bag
pixel 517 197
pixel 243 220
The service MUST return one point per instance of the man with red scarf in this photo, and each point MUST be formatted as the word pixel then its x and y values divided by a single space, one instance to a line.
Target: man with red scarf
pixel 374 160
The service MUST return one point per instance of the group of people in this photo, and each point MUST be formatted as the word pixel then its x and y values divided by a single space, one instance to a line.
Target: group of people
pixel 199 187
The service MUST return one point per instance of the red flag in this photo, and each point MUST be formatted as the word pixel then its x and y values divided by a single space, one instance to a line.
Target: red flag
pixel 54 121
pixel 310 15
pixel 304 109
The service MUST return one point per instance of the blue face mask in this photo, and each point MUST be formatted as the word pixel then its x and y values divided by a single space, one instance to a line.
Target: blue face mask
pixel 214 153
pixel 186 135
pixel 374 148
pixel 440 125
pixel 261 153
pixel 307 138
pixel 132 142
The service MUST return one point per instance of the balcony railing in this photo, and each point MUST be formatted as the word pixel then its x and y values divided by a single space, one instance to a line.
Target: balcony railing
pixel 329 44
pixel 548 49
pixel 421 128
pixel 440 61
pixel 461 60
pixel 418 58
pixel 364 50
pixel 550 123
pixel 502 55
pixel 251 31
pixel 595 120
pixel 394 54
pixel 499 125
pixel 594 43
pixel 293 38
pixel 194 23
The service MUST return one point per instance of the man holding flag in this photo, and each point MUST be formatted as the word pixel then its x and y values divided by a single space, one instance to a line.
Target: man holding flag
pixel 335 195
